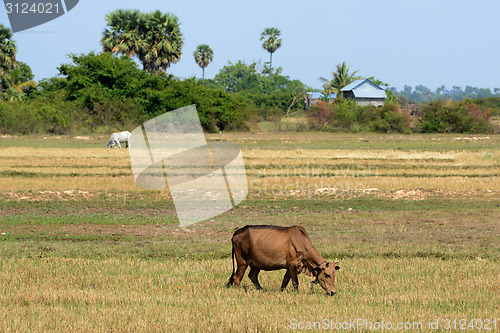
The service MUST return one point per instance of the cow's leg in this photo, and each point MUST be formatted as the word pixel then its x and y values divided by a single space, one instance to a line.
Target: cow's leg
pixel 240 272
pixel 241 267
pixel 126 145
pixel 254 277
pixel 118 143
pixel 286 279
pixel 292 267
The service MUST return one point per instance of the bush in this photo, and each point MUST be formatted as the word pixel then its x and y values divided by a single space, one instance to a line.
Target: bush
pixel 346 115
pixel 320 115
pixel 217 109
pixel 281 99
pixel 455 117
pixel 28 118
pixel 388 119
pixel 491 103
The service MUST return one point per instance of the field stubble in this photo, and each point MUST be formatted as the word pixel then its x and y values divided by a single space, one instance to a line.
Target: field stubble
pixel 188 295
pixel 413 221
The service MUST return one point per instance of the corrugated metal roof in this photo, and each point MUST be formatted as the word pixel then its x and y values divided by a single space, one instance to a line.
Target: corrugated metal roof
pixel 318 95
pixel 365 88
pixel 353 85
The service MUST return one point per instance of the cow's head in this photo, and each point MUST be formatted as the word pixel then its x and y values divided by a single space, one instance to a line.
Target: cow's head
pixel 325 276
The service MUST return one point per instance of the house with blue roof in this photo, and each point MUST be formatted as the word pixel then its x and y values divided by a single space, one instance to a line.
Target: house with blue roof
pixel 365 92
pixel 314 97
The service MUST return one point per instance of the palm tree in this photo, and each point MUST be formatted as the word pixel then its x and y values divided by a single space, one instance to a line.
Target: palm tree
pixel 18 82
pixel 123 35
pixel 8 52
pixel 163 41
pixel 203 56
pixel 155 38
pixel 271 42
pixel 341 78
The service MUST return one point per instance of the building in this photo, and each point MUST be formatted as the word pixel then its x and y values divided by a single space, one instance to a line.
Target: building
pixel 312 98
pixel 365 92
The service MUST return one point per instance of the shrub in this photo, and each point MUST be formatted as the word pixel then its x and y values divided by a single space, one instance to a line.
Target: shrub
pixel 346 115
pixel 455 117
pixel 28 118
pixel 218 110
pixel 491 103
pixel 320 115
pixel 388 119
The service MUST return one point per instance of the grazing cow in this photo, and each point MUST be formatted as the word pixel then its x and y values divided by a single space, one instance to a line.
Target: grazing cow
pixel 116 138
pixel 267 247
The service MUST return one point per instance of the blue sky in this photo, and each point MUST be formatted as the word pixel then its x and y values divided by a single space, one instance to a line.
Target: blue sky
pixel 425 42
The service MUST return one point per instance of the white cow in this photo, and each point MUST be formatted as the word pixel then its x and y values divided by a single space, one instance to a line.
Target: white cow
pixel 116 138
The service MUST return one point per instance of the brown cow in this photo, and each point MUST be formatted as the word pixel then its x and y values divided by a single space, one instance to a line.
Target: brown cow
pixel 267 247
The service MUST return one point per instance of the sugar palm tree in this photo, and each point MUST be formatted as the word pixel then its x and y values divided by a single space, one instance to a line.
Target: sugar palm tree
pixel 271 42
pixel 155 38
pixel 203 56
pixel 163 41
pixel 341 79
pixel 8 52
pixel 18 82
pixel 123 34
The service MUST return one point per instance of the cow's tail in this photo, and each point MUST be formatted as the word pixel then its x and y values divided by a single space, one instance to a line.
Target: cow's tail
pixel 231 279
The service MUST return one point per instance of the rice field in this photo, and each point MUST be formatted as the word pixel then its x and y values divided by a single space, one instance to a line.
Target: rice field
pixel 173 295
pixel 412 220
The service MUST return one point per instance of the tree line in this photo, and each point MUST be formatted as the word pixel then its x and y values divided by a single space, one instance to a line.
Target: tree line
pixel 422 94
pixel 100 91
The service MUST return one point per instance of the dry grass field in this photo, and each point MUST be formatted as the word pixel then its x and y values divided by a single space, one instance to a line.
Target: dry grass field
pixel 412 220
